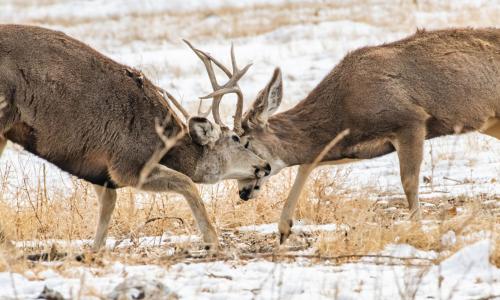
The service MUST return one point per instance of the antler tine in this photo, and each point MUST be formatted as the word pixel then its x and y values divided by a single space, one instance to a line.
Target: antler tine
pixel 232 84
pixel 206 61
pixel 176 103
pixel 229 87
pixel 238 114
pixel 218 64
pixel 203 113
pixel 213 80
pixel 233 59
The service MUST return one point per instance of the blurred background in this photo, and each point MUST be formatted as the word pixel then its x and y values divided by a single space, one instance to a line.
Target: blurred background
pixel 306 38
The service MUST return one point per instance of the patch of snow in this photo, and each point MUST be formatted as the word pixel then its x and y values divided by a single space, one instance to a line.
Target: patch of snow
pixel 464 275
pixel 449 238
pixel 297 227
pixel 111 243
pixel 137 287
pixel 404 250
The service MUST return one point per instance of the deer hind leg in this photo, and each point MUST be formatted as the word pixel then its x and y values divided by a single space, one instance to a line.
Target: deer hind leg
pixel 107 201
pixel 163 179
pixel 409 144
pixel 286 219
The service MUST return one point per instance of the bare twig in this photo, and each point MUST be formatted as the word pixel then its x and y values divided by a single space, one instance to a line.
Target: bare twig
pixel 176 103
pixel 231 86
pixel 339 257
pixel 491 297
pixel 139 228
pixel 219 276
pixel 273 256
pixel 168 142
pixel 327 148
pixel 322 154
pixel 451 179
pixel 164 218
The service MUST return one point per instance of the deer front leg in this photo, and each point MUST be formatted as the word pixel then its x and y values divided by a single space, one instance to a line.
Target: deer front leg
pixel 3 143
pixel 107 201
pixel 409 145
pixel 286 219
pixel 163 179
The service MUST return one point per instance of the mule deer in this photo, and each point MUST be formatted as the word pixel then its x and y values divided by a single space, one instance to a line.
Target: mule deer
pixel 97 119
pixel 391 97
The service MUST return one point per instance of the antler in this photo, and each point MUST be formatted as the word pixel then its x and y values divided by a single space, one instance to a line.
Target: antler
pixel 203 113
pixel 176 102
pixel 220 90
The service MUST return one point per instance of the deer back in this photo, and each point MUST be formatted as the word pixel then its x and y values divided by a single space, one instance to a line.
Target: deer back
pixel 73 106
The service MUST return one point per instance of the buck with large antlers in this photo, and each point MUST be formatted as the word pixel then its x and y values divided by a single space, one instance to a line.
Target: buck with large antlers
pixel 106 123
pixel 391 97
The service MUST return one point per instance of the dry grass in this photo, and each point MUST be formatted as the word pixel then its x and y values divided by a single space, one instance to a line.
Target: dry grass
pixel 35 214
pixel 369 228
pixel 249 20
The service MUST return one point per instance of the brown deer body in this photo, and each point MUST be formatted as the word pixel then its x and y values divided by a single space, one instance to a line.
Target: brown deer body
pixel 96 119
pixel 391 97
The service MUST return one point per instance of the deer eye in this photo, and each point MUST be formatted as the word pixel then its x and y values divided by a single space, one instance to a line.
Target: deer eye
pixel 247 144
pixel 236 138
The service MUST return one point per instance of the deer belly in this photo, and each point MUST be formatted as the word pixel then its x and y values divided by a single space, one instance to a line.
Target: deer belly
pixel 370 149
pixel 90 167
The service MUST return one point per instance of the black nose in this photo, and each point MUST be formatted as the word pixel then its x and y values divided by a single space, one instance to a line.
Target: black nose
pixel 267 169
pixel 245 194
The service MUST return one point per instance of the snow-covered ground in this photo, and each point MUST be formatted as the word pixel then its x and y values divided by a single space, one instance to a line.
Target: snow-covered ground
pixel 407 274
pixel 306 39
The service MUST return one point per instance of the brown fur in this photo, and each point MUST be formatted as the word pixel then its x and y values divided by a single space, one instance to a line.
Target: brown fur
pixel 444 79
pixel 95 118
pixel 57 87
pixel 391 97
pixel 80 110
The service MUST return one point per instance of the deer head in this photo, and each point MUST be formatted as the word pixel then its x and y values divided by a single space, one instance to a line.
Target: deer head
pixel 258 137
pixel 251 129
pixel 224 156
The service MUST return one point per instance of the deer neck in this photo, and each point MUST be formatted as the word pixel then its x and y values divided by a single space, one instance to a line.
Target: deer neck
pixel 301 133
pixel 184 157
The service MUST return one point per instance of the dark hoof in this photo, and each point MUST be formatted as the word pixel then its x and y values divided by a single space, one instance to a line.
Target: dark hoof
pixel 283 238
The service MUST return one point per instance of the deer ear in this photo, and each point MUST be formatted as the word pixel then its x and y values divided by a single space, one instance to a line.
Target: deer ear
pixel 202 131
pixel 267 102
pixel 275 92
